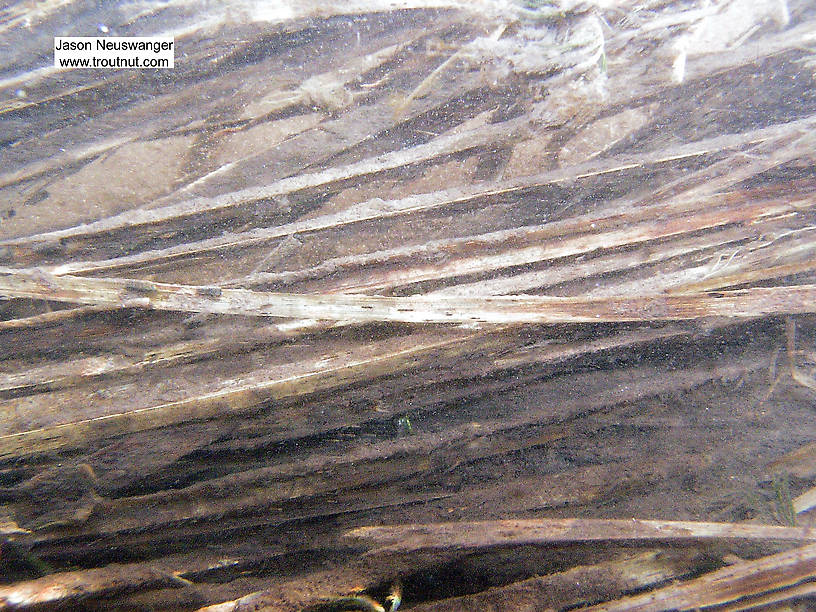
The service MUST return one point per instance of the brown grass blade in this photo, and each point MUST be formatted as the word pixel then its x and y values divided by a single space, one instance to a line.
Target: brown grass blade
pixel 62 588
pixel 742 580
pixel 479 534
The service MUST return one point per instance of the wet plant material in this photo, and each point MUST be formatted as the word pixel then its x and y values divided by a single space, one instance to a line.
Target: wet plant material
pixel 506 302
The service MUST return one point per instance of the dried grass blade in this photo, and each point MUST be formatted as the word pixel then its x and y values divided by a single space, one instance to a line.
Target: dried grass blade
pixel 806 589
pixel 50 318
pixel 637 233
pixel 750 276
pixel 805 501
pixel 511 309
pixel 479 534
pixel 65 587
pixel 441 146
pixel 290 380
pixel 507 131
pixel 749 579
pixel 576 585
